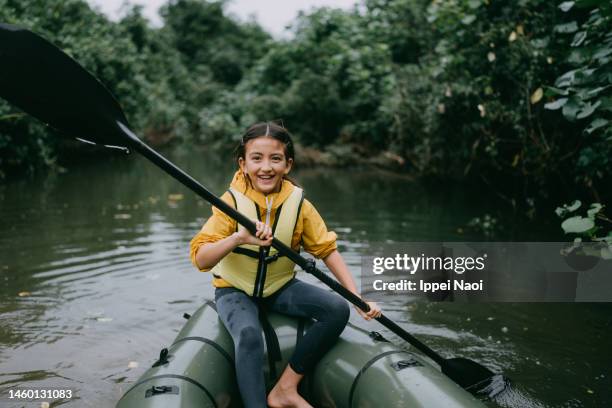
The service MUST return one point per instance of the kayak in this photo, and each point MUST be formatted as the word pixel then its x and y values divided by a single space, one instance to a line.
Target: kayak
pixel 362 369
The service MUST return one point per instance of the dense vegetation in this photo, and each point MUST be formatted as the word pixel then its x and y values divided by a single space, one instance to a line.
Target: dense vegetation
pixel 478 89
pixel 163 77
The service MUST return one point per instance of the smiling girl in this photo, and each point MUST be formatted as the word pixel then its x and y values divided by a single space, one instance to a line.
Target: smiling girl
pixel 248 274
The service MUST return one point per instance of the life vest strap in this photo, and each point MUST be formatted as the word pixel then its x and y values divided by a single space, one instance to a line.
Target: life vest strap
pixel 254 254
pixel 245 251
pixel 272 343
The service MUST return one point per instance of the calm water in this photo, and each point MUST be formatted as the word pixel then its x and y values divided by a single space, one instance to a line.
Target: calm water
pixel 95 276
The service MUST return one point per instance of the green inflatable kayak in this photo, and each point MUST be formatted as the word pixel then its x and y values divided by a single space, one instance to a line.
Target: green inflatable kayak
pixel 361 370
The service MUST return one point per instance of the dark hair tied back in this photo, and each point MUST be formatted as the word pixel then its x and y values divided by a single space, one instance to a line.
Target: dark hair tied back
pixel 268 129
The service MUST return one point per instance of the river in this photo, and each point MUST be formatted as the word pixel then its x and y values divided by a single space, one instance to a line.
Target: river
pixel 95 276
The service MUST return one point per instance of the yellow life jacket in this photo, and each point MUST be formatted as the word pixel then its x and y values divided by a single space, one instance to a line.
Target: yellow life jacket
pixel 242 267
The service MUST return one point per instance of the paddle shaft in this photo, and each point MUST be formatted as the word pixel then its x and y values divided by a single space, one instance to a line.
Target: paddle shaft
pixel 299 260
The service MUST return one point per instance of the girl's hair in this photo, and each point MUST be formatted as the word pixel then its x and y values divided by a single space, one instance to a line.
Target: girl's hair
pixel 267 129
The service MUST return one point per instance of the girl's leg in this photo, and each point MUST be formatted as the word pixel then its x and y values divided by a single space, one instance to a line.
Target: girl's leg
pixel 240 317
pixel 331 314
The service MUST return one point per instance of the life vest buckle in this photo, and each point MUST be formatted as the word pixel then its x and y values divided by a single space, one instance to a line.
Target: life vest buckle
pixel 272 258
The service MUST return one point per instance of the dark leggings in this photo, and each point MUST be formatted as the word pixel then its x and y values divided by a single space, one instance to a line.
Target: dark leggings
pixel 239 313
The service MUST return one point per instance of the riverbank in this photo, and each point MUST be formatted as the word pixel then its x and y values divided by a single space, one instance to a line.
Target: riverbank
pixel 507 195
pixel 349 155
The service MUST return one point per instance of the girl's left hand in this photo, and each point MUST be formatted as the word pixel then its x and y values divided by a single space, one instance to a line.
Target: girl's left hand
pixel 373 313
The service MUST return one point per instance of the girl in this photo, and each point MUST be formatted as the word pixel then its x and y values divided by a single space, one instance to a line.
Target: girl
pixel 248 274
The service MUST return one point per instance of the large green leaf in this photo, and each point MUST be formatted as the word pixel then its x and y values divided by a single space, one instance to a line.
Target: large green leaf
pixel 566 79
pixel 596 124
pixel 556 104
pixel 595 91
pixel 587 110
pixel 579 38
pixel 571 109
pixel 568 208
pixel 602 52
pixel 606 103
pixel 584 76
pixel 566 28
pixel 574 206
pixel 577 225
pixel 594 210
pixel 469 19
pixel 474 4
pixel 566 5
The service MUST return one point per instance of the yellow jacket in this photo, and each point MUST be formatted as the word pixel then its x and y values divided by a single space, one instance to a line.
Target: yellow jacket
pixel 310 230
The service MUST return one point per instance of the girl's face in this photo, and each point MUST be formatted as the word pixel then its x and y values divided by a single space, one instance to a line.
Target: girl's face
pixel 265 164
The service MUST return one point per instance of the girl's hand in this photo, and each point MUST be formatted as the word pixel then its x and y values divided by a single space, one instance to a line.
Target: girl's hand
pixel 263 235
pixel 373 313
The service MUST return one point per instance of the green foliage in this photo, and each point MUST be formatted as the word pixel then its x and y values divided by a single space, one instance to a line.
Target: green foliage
pixel 584 93
pixel 487 225
pixel 205 37
pixel 456 88
pixel 577 225
pixel 330 81
pixel 470 106
pixel 593 226
pixel 25 144
pixel 161 82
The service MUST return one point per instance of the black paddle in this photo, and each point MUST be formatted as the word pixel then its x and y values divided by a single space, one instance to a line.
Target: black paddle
pixel 43 81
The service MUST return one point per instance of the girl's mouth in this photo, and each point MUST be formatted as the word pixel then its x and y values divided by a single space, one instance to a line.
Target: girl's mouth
pixel 265 179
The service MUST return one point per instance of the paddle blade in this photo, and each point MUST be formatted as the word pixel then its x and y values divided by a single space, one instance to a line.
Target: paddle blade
pixel 474 377
pixel 43 81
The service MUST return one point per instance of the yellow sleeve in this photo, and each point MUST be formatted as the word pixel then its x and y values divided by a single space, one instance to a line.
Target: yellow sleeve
pixel 217 227
pixel 315 237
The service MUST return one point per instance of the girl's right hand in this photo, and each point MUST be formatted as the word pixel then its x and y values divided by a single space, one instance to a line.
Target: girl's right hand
pixel 374 312
pixel 263 235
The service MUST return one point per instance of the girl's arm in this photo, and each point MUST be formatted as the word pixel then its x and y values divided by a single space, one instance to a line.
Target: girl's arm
pixel 337 266
pixel 209 255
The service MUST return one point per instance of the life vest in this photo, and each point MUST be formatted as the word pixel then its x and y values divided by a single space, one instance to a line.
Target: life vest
pixel 251 268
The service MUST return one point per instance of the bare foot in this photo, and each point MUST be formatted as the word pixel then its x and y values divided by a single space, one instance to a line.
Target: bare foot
pixel 281 397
